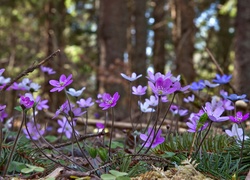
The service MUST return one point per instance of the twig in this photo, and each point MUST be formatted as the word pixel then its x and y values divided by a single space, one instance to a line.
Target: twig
pixel 30 69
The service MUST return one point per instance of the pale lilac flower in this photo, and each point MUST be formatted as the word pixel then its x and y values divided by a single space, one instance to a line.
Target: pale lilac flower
pixel 153 77
pixel 132 78
pixel 194 119
pixel 239 117
pixel 1 71
pixel 139 90
pixel 237 133
pixel 47 70
pixel 106 101
pixel 26 102
pixel 61 84
pixel 41 104
pixel 27 85
pixel 74 92
pixel 152 101
pixel 162 87
pixel 145 107
pixel 2 107
pixel 157 140
pixel 224 79
pixel 227 104
pixel 210 85
pixel 4 81
pixel 177 111
pixel 189 99
pixel 164 99
pixel 214 111
pixel 64 108
pixel 33 131
pixel 65 127
pixel 85 103
pixel 3 113
pixel 177 86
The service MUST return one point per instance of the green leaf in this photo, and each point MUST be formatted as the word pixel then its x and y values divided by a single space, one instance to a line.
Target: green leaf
pixel 168 154
pixel 51 138
pixel 92 152
pixel 31 168
pixel 123 178
pixel 108 177
pixel 18 108
pixel 117 173
pixel 16 166
pixel 103 153
pixel 116 144
pixel 202 121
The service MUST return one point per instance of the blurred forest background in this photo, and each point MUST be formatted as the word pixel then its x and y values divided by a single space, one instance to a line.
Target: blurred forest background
pixel 99 39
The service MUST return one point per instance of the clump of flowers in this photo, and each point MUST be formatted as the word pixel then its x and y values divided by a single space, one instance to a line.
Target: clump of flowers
pixel 151 139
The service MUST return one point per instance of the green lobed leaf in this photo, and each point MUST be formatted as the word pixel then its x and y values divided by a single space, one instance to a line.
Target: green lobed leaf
pixel 117 173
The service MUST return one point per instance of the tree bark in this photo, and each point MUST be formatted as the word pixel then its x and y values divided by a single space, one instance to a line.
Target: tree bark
pixel 159 29
pixel 183 33
pixel 242 47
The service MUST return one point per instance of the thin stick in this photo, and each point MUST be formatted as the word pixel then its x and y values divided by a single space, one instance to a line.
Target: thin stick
pixel 30 69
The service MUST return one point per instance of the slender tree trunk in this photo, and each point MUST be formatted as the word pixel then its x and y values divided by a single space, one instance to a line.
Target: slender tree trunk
pixel 112 46
pixel 159 29
pixel 183 33
pixel 242 47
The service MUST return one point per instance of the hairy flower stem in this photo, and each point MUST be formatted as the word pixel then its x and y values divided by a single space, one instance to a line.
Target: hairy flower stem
pixel 130 106
pixel 86 124
pixel 14 145
pixel 192 146
pixel 242 146
pixel 112 129
pixel 209 127
pixel 164 117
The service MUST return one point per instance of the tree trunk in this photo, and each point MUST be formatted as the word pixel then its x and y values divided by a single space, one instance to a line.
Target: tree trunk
pixel 242 47
pixel 183 33
pixel 159 28
pixel 112 46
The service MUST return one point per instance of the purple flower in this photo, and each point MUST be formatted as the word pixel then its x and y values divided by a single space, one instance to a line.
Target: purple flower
pixel 61 84
pixel 41 104
pixel 239 117
pixel 4 81
pixel 194 121
pixel 162 87
pixel 227 104
pixel 64 108
pixel 214 111
pixel 33 131
pixel 47 70
pixel 224 79
pixel 65 127
pixel 3 113
pixel 145 107
pixel 189 99
pixel 139 90
pixel 158 139
pixel 235 97
pixel 196 86
pixel 153 77
pixel 177 111
pixel 106 101
pixel 26 102
pixel 236 132
pixel 152 101
pixel 75 93
pixel 132 78
pixel 100 127
pixel 85 103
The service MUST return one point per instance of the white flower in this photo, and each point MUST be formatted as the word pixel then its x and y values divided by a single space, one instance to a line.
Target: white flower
pixel 132 78
pixel 237 133
pixel 4 80
pixel 145 107
pixel 153 100
pixel 75 93
pixel 210 85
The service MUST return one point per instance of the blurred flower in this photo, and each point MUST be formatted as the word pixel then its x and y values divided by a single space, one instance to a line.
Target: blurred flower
pixel 158 139
pixel 26 102
pixel 132 78
pixel 145 107
pixel 1 71
pixel 75 93
pixel 154 77
pixel 33 131
pixel 3 113
pixel 65 127
pixel 210 85
pixel 162 87
pixel 236 132
pixel 239 117
pixel 61 84
pixel 197 86
pixel 177 111
pixel 64 108
pixel 152 101
pixel 235 97
pixel 4 81
pixel 139 90
pixel 41 104
pixel 224 79
pixel 26 85
pixel 47 70
pixel 189 99
pixel 194 119
pixel 85 103
pixel 106 101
